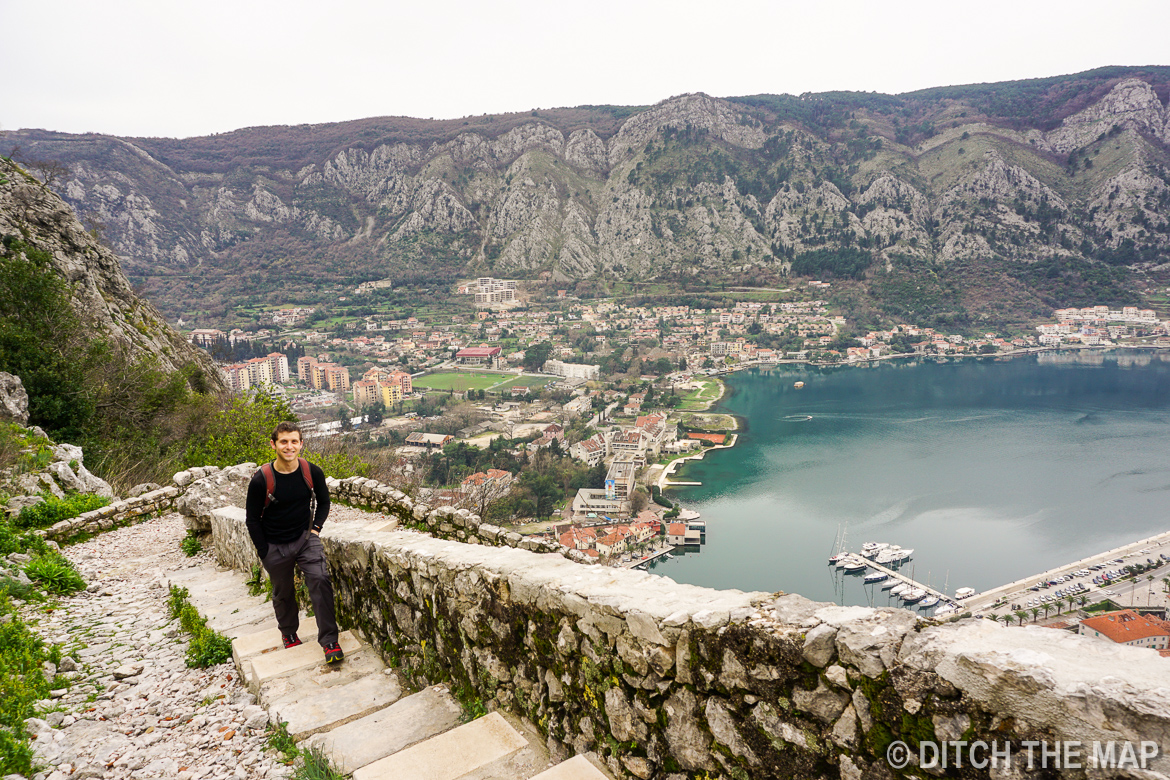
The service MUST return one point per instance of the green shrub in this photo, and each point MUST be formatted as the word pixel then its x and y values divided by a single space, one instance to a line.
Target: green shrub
pixel 54 510
pixel 21 685
pixel 208 647
pixel 191 544
pixel 55 573
pixel 239 433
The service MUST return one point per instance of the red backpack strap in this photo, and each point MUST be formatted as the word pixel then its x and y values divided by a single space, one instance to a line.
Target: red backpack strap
pixel 306 473
pixel 269 483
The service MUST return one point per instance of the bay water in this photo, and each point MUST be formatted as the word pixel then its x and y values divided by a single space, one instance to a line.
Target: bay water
pixel 991 469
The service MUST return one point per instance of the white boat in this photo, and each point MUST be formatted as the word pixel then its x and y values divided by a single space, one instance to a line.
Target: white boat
pixel 854 566
pixel 929 601
pixel 899 589
pixel 893 555
pixel 913 595
pixel 964 593
pixel 945 609
pixel 890 584
pixel 798 384
pixel 877 576
pixel 871 549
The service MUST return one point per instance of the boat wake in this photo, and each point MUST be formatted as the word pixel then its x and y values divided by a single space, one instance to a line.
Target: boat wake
pixel 796 418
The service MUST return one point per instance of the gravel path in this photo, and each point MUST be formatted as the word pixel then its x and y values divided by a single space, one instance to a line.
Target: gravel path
pixel 134 709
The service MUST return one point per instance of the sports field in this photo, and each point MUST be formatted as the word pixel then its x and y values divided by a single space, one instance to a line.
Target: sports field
pixel 459 381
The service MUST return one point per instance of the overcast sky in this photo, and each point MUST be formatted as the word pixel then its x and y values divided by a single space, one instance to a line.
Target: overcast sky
pixel 159 68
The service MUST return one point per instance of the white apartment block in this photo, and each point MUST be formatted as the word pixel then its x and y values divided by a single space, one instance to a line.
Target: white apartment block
pixel 571 370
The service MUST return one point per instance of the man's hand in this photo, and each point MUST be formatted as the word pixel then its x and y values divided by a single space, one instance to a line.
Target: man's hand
pixel 314 531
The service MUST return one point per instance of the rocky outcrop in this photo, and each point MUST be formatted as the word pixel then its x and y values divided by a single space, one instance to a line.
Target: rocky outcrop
pixel 1132 104
pixel 63 471
pixel 101 294
pixel 13 399
pixel 207 488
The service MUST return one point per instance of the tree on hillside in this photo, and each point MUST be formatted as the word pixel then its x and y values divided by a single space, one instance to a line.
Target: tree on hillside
pixel 535 355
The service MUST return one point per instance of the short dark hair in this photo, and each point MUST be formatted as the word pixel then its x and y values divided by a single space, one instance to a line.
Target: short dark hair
pixel 287 426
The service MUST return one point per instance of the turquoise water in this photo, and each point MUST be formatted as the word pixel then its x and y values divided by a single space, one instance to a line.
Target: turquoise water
pixel 992 470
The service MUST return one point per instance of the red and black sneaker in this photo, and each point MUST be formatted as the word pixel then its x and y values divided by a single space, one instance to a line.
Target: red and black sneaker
pixel 333 653
pixel 290 640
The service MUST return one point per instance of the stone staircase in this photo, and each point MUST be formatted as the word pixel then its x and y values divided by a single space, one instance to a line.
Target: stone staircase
pixel 357 713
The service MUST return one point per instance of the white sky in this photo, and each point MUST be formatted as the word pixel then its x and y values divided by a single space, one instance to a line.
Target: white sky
pixel 170 68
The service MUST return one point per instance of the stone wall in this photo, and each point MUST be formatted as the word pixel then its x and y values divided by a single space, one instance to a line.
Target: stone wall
pixel 442 522
pixel 125 512
pixel 676 681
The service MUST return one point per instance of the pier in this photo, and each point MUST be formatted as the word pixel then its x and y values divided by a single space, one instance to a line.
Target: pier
pixel 896 575
pixel 655 556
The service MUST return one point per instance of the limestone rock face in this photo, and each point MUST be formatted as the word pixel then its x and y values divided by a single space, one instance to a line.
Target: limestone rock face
pixel 13 399
pixel 690 187
pixel 1131 104
pixel 101 294
pixel 208 489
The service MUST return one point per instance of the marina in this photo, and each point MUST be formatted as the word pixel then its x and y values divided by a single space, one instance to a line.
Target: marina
pixel 898 584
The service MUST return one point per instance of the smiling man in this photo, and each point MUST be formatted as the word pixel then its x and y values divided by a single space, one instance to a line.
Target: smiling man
pixel 286 532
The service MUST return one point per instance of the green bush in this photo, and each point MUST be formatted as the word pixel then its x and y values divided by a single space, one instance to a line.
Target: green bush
pixel 21 685
pixel 191 544
pixel 55 573
pixel 54 510
pixel 239 433
pixel 207 647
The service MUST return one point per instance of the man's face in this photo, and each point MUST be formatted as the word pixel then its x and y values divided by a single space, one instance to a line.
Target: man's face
pixel 288 446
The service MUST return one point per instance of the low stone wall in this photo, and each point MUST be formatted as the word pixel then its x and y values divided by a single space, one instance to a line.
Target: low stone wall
pixel 675 681
pixel 125 512
pixel 442 522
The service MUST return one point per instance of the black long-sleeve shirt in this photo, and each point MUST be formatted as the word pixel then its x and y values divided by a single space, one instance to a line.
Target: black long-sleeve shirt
pixel 289 515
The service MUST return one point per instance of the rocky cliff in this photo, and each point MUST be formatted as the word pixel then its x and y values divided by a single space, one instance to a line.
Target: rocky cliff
pixel 99 291
pixel 1037 189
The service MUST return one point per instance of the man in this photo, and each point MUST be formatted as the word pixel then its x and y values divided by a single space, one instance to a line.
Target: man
pixel 286 533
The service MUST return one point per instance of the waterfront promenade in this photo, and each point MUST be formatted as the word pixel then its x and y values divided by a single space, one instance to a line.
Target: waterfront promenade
pixel 1135 552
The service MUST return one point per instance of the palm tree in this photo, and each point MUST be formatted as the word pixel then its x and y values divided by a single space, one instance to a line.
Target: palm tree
pixel 994 618
pixel 1035 613
pixel 1007 619
pixel 1021 615
pixel 1150 592
pixel 1047 607
pixel 1070 601
pixel 1081 601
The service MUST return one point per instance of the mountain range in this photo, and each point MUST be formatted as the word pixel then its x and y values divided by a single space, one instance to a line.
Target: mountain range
pixel 956 206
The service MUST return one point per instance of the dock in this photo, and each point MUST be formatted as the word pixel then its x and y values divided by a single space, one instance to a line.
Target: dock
pixel 643 561
pixel 896 575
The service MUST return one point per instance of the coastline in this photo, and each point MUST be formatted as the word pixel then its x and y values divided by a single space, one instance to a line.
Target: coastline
pixel 663 481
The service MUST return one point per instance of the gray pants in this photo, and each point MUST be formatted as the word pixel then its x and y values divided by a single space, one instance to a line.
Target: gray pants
pixel 309 554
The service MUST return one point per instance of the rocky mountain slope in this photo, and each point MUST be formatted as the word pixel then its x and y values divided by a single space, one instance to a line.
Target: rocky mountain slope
pixel 34 218
pixel 985 202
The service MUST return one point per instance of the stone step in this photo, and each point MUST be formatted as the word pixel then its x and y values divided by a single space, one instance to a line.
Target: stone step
pixel 450 755
pixel 241 618
pixel 576 768
pixel 337 705
pixel 408 721
pixel 308 682
pixel 282 662
pixel 267 640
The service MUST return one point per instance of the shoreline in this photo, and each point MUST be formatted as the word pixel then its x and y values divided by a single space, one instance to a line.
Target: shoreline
pixel 663 481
